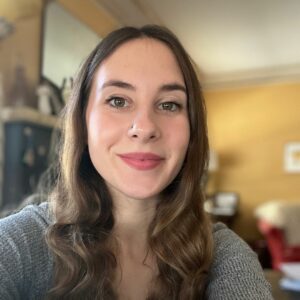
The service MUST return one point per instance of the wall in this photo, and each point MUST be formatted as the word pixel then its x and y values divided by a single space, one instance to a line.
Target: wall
pixel 248 128
pixel 23 46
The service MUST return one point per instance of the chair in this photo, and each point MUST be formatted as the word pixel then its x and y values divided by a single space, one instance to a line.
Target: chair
pixel 279 222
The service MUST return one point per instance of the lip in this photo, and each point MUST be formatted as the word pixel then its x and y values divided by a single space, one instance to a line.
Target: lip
pixel 141 160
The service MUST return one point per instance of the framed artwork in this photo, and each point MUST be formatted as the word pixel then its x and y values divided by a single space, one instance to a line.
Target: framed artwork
pixel 292 157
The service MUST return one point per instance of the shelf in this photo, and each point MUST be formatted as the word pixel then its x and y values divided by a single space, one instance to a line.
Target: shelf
pixel 27 114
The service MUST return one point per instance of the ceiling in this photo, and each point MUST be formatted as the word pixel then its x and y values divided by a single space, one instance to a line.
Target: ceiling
pixel 233 42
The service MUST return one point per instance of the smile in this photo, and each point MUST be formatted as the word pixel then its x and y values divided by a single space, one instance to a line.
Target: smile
pixel 141 161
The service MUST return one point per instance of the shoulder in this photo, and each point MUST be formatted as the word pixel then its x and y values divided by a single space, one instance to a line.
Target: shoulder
pixel 31 214
pixel 24 255
pixel 226 241
pixel 236 272
pixel 27 224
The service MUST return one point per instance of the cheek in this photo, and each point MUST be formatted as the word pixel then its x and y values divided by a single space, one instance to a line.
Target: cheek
pixel 179 135
pixel 99 128
pixel 104 130
pixel 94 127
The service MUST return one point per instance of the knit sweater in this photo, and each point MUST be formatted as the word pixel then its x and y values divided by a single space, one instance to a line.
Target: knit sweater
pixel 26 263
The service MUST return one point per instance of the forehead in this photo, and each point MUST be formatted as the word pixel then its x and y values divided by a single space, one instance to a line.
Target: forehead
pixel 142 58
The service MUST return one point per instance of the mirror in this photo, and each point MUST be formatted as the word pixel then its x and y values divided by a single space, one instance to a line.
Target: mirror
pixel 66 43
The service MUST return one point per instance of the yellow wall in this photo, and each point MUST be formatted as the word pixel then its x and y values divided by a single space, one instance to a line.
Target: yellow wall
pixel 23 47
pixel 248 128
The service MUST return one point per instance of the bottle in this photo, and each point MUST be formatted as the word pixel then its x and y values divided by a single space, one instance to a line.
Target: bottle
pixel 44 99
pixel 1 91
pixel 19 94
pixel 66 89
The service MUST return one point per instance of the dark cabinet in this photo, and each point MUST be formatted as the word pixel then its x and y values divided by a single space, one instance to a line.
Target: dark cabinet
pixel 26 150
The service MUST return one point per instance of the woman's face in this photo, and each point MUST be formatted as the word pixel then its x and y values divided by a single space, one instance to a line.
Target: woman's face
pixel 137 119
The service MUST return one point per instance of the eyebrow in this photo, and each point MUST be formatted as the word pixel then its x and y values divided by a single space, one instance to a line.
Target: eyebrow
pixel 172 87
pixel 125 85
pixel 118 83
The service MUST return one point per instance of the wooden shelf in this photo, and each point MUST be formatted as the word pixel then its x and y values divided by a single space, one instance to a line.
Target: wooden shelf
pixel 27 114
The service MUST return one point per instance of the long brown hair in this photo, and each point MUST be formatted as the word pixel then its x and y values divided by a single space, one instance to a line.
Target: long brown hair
pixel 180 234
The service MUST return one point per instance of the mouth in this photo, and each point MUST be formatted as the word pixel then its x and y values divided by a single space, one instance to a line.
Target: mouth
pixel 141 160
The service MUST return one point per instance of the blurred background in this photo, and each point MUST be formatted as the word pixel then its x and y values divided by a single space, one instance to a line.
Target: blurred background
pixel 248 59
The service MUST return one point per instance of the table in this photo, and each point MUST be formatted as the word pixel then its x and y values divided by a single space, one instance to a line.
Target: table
pixel 273 277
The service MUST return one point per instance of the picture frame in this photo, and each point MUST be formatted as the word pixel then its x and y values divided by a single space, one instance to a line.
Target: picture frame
pixel 292 157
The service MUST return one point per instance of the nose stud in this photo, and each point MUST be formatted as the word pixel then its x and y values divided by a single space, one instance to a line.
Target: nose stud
pixel 143 134
pixel 135 127
pixel 135 130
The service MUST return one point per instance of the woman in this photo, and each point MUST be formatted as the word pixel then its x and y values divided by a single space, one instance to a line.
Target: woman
pixel 126 219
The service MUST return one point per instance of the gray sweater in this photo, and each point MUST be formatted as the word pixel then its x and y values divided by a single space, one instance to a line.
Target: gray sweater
pixel 26 264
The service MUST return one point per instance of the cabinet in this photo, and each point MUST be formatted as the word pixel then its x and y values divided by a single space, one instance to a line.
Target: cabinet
pixel 25 153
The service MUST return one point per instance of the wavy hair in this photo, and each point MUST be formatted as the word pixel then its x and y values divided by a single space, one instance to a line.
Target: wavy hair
pixel 180 234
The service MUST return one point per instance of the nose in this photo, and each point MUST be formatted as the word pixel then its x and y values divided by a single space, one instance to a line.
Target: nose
pixel 144 128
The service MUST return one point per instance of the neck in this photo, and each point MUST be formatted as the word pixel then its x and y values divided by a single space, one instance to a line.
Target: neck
pixel 132 219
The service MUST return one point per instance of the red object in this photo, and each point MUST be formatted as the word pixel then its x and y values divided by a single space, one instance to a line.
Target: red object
pixel 279 249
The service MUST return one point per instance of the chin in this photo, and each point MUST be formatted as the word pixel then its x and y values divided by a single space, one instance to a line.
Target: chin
pixel 142 195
